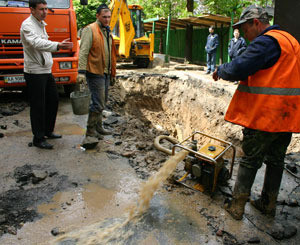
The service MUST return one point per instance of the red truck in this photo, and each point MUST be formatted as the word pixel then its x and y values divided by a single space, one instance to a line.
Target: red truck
pixel 61 24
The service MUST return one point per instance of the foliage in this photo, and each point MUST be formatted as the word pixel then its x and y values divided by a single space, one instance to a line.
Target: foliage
pixel 159 8
pixel 153 8
pixel 177 9
pixel 226 7
pixel 86 14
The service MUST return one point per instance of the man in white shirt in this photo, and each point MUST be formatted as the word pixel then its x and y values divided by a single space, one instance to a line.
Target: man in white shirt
pixel 42 91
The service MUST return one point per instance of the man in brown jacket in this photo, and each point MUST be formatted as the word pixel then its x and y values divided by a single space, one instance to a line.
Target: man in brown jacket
pixel 97 66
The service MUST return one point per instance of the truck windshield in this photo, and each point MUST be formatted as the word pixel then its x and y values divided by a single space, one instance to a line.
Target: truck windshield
pixel 52 4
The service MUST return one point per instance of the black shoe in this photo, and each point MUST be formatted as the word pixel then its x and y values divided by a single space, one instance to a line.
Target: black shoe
pixel 43 145
pixel 207 72
pixel 53 136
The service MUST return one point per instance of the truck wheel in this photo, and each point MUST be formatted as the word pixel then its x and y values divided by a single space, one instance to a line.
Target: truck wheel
pixel 141 62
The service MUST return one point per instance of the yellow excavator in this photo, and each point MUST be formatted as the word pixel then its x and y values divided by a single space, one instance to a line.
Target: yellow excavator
pixel 128 29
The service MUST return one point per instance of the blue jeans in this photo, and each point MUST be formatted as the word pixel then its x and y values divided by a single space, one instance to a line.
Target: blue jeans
pixel 98 86
pixel 211 61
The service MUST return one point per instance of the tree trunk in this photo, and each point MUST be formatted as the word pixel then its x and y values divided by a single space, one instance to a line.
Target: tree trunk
pixel 189 43
pixel 190 6
pixel 189 33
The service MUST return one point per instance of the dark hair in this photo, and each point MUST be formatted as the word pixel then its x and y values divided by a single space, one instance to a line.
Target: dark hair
pixel 250 22
pixel 212 27
pixel 102 6
pixel 262 20
pixel 33 3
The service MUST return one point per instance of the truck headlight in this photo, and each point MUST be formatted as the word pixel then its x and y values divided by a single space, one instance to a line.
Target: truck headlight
pixel 65 65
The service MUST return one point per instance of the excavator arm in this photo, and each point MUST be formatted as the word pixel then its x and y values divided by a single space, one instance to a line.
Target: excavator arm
pixel 120 11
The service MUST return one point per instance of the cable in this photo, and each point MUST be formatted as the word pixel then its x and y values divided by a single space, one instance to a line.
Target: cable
pixel 290 172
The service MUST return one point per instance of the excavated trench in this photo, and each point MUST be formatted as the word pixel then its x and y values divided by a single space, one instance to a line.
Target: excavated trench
pixel 181 103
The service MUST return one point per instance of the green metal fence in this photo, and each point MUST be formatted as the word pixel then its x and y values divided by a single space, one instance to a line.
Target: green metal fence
pixel 177 43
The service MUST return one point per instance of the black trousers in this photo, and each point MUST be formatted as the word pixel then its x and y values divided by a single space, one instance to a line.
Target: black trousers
pixel 43 100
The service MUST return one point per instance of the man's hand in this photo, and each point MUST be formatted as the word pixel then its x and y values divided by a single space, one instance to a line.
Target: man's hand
pixel 215 75
pixel 81 78
pixel 65 44
pixel 112 81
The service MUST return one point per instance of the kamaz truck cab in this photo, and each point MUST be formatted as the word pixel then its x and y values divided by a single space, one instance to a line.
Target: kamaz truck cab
pixel 61 24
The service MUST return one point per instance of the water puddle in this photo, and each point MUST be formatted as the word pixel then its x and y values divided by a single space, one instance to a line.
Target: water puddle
pixel 121 230
pixel 74 210
pixel 63 128
pixel 69 129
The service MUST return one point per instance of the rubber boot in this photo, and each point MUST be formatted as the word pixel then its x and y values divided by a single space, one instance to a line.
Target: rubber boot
pixel 267 202
pixel 91 125
pixel 99 127
pixel 241 193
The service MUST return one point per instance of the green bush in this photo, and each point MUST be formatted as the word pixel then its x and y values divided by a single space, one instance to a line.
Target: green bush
pixel 86 14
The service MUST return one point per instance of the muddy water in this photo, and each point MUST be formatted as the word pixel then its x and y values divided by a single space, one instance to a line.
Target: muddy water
pixel 118 233
pixel 73 208
pixel 63 128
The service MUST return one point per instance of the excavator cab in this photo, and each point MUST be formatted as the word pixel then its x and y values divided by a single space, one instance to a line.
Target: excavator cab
pixel 137 16
pixel 128 29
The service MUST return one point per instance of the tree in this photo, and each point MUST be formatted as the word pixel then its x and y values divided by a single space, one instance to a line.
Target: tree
pixel 189 33
pixel 159 8
pixel 226 7
pixel 86 14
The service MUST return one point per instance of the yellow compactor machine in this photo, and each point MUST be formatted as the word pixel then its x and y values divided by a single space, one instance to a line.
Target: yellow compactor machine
pixel 204 166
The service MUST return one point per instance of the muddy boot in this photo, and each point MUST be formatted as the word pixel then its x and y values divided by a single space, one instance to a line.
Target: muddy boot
pixel 267 202
pixel 91 126
pixel 99 127
pixel 241 193
pixel 89 142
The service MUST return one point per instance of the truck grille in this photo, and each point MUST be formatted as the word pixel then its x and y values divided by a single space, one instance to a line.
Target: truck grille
pixel 11 56
pixel 11 48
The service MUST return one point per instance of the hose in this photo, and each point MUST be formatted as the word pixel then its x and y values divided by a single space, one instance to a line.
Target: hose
pixel 291 173
pixel 159 147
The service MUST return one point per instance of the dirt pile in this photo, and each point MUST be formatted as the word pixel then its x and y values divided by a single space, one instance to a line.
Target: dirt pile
pixel 11 105
pixel 182 104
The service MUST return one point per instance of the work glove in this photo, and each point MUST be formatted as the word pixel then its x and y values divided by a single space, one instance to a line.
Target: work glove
pixel 81 78
pixel 112 81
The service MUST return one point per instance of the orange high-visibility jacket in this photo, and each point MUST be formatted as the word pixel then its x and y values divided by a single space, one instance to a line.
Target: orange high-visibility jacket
pixel 269 100
pixel 96 61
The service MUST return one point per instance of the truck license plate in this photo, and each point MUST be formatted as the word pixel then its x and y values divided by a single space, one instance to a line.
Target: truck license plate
pixel 15 79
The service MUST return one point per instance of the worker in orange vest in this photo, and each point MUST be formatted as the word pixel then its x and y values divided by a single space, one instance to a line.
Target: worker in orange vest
pixel 266 103
pixel 97 68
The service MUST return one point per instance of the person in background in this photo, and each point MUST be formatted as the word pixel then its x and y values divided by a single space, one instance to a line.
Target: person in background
pixel 211 50
pixel 237 45
pixel 97 67
pixel 42 91
pixel 266 103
